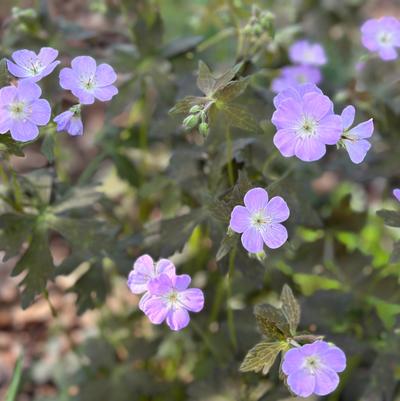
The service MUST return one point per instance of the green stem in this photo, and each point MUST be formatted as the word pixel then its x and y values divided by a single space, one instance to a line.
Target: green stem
pixel 217 300
pixel 229 156
pixel 229 277
pixel 54 312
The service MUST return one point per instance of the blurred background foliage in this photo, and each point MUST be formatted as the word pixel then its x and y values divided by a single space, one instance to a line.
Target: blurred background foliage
pixel 76 212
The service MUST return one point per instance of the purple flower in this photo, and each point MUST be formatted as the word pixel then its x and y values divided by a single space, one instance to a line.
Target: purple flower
pixel 170 299
pixel 306 123
pixel 305 53
pixel 354 139
pixel 294 76
pixel 21 110
pixel 70 121
pixel 396 193
pixel 145 270
pixel 313 368
pixel 88 81
pixel 259 221
pixel 296 93
pixel 382 36
pixel 29 65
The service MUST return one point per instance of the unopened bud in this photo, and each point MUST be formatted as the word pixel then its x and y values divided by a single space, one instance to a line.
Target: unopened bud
pixel 204 129
pixel 191 121
pixel 195 109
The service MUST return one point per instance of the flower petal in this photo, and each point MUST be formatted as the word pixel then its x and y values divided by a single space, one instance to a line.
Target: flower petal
pixel 309 149
pixel 301 382
pixel 292 361
pixel 178 319
pixel 274 235
pixel 160 285
pixel 357 150
pixel 68 79
pixel 16 70
pixel 47 55
pixel 137 282
pixel 145 297
pixel 363 130
pixel 28 90
pixel 285 141
pixel 256 199
pixel 330 129
pixel 156 309
pixel 252 240
pixel 85 66
pixel 181 282
pixel 105 93
pixel 144 265
pixel 24 131
pixel 84 96
pixel 40 112
pixel 326 381
pixel 347 116
pixel 277 209
pixel 334 358
pixel 192 299
pixel 316 105
pixel 165 266
pixel 287 115
pixel 7 94
pixel 75 126
pixel 240 219
pixel 63 119
pixel 387 53
pixel 24 58
pixel 105 75
pixel 396 193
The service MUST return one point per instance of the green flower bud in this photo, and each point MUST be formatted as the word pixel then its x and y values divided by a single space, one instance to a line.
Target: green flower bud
pixel 204 129
pixel 191 121
pixel 195 109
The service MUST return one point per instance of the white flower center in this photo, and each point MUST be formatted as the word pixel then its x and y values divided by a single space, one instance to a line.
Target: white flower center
pixel 385 38
pixel 18 110
pixel 301 79
pixel 88 83
pixel 312 363
pixel 259 220
pixel 36 67
pixel 172 299
pixel 307 127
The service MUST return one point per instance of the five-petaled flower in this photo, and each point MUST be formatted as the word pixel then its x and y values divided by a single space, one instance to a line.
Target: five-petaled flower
pixel 170 299
pixel 355 139
pixel 21 110
pixel 259 221
pixel 293 76
pixel 305 53
pixel 306 123
pixel 312 368
pixel 89 81
pixel 70 121
pixel 29 65
pixel 382 36
pixel 396 193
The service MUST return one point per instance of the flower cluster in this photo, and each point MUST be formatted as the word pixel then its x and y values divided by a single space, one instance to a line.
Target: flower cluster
pixel 166 295
pixel 307 57
pixel 382 36
pixel 22 110
pixel 259 221
pixel 312 368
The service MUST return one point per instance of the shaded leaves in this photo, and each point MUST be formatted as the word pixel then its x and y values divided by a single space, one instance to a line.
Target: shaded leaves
pixel 272 322
pixel 290 308
pixel 390 217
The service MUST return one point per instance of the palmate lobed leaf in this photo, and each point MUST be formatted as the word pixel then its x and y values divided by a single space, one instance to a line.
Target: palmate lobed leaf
pixel 290 308
pixel 272 322
pixel 262 356
pixel 238 117
pixel 184 105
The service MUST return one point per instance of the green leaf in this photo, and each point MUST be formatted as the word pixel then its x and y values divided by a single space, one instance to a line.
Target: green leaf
pixel 16 379
pixel 262 356
pixel 15 229
pixel 4 78
pixel 239 117
pixel 227 243
pixel 272 322
pixel 8 145
pixel 77 198
pixel 38 264
pixel 390 217
pixel 205 81
pixel 395 258
pixel 47 147
pixel 232 90
pixel 290 308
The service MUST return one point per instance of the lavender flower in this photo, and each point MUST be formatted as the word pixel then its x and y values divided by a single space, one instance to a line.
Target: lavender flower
pixel 70 121
pixel 21 110
pixel 170 299
pixel 305 53
pixel 259 221
pixel 306 124
pixel 396 193
pixel 29 65
pixel 313 368
pixel 294 76
pixel 354 139
pixel 88 81
pixel 145 270
pixel 382 36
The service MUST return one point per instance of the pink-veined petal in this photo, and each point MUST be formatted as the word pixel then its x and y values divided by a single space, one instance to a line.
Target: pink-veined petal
pixel 178 319
pixel 192 299
pixel 285 141
pixel 274 235
pixel 277 209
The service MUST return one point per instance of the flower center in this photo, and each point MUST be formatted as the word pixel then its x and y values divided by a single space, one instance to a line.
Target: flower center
pixel 312 363
pixel 172 298
pixel 88 83
pixel 301 79
pixel 259 220
pixel 385 38
pixel 17 110
pixel 307 127
pixel 36 67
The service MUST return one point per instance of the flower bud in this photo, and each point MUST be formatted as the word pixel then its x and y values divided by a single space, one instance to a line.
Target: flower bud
pixel 195 109
pixel 191 121
pixel 204 129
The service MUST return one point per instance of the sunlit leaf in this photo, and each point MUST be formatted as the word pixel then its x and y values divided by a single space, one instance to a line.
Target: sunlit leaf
pixel 272 322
